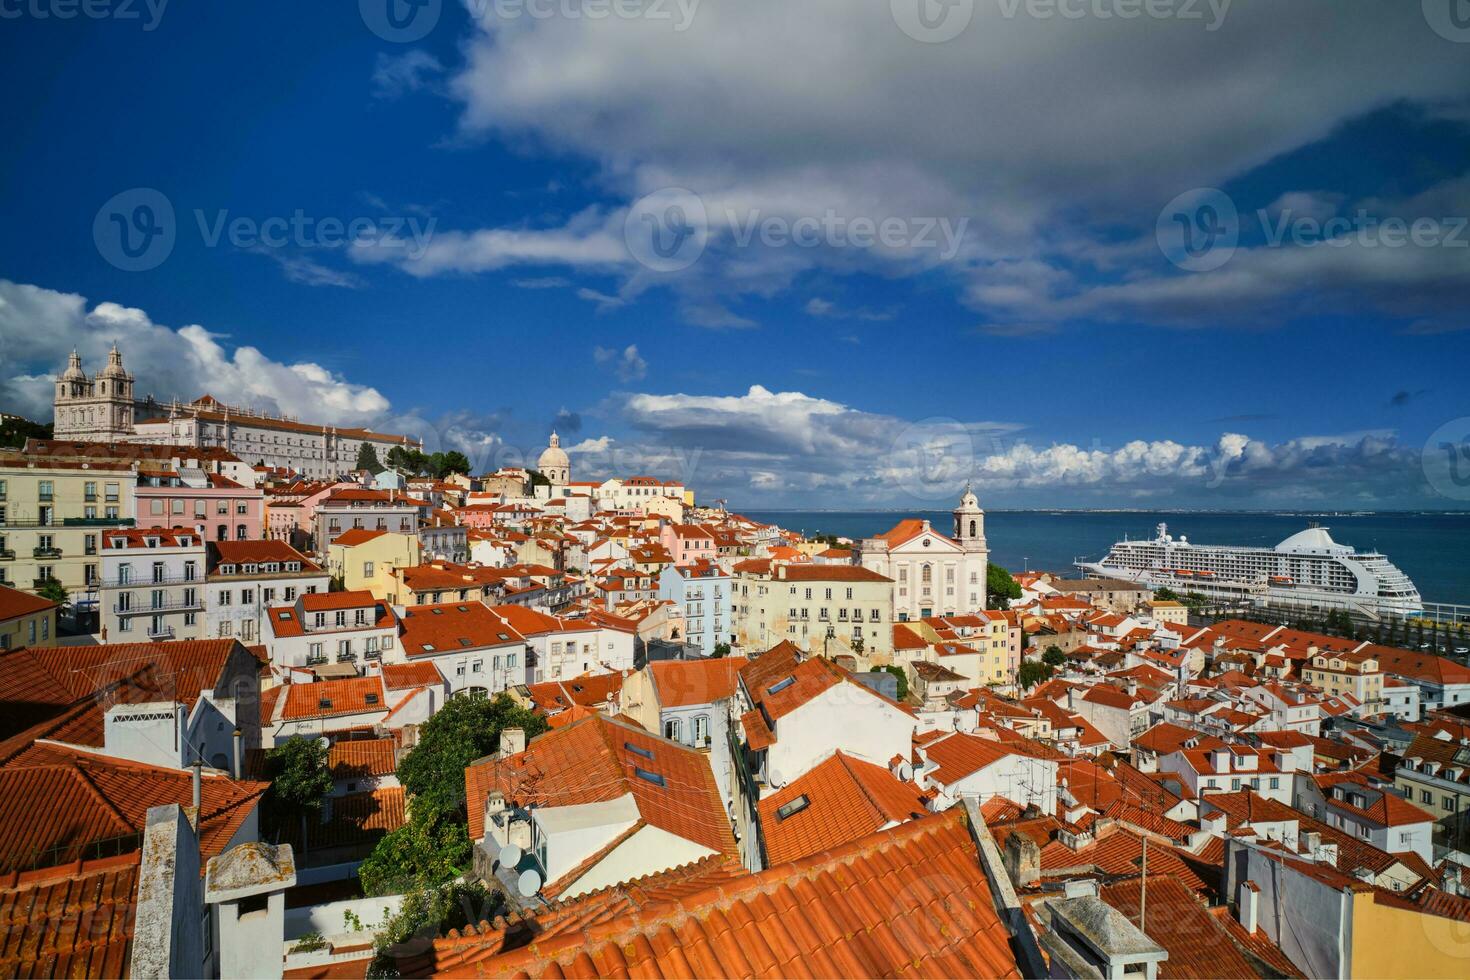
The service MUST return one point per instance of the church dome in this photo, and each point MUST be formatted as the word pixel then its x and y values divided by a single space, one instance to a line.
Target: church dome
pixel 114 367
pixel 74 370
pixel 969 501
pixel 554 457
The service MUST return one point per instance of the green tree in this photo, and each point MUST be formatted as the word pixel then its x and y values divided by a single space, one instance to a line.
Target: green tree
pixel 1053 656
pixel 420 854
pixel 425 914
pixel 14 431
pixel 367 459
pixel 722 649
pixel 903 679
pixel 538 479
pixel 1000 588
pixel 299 780
pixel 1031 673
pixel 1166 594
pixel 53 590
pixel 464 730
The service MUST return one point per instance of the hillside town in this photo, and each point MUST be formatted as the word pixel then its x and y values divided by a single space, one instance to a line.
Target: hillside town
pixel 283 699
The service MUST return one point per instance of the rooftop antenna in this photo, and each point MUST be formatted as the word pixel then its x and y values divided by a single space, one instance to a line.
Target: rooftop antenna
pixel 1143 892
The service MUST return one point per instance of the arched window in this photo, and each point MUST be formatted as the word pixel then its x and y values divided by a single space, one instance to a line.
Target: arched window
pixel 972 529
pixel 673 729
pixel 928 575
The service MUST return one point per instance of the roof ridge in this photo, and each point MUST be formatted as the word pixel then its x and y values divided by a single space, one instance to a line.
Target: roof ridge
pixel 99 796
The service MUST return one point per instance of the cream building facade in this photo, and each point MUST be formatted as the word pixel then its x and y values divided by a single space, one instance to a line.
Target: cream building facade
pixel 815 607
pixel 933 574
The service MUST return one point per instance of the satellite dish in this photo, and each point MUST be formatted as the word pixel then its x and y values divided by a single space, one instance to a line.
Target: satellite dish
pixel 777 780
pixel 510 855
pixel 905 771
pixel 528 884
pixel 324 742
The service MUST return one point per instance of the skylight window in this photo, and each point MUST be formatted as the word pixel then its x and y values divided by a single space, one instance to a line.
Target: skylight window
pixel 325 704
pixel 428 648
pixel 793 808
pixel 781 685
pixel 371 698
pixel 638 750
pixel 652 777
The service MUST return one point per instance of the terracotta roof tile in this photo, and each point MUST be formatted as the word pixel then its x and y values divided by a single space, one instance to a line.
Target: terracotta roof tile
pixel 846 798
pixel 1198 945
pixel 73 921
pixel 911 901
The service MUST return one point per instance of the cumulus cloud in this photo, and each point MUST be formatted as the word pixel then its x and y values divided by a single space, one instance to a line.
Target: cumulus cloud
pixel 887 127
pixel 793 449
pixel 39 327
pixel 627 363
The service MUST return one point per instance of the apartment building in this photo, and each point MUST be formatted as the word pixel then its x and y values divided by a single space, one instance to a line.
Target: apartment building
pixel 363 510
pixel 25 620
pixel 331 634
pixel 216 507
pixel 810 604
pixel 244 579
pixel 701 591
pixel 53 513
pixel 152 585
pixel 1341 672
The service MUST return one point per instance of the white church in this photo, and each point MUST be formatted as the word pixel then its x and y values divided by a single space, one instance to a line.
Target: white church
pixel 933 574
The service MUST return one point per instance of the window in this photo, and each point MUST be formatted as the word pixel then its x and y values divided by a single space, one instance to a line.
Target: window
pixel 701 729
pixel 651 777
pixel 792 808
pixel 674 730
pixel 367 569
pixel 639 750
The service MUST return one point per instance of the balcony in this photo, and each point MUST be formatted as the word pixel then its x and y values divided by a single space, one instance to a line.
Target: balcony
pixel 143 583
pixel 161 633
pixel 46 552
pixel 97 522
pixel 173 605
pixel 41 582
pixel 7 554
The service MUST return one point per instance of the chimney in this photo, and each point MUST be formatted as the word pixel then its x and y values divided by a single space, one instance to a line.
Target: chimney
pixel 1247 905
pixel 1311 842
pixel 512 742
pixel 198 786
pixel 1022 860
pixel 239 770
pixel 494 807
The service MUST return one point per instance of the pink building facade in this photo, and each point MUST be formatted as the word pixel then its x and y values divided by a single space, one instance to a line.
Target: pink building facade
pixel 215 507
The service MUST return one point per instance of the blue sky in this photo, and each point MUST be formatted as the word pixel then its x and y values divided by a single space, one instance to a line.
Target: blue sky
pixel 1052 353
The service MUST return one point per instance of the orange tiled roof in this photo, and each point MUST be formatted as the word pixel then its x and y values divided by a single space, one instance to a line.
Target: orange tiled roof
pixel 15 603
pixel 72 921
pixel 324 699
pixel 1199 947
pixel 591 761
pixel 689 682
pixel 357 758
pixel 449 626
pixel 59 801
pixel 911 901
pixel 846 798
pixel 398 677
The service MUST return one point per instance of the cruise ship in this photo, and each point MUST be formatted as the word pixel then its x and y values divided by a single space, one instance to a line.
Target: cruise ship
pixel 1308 570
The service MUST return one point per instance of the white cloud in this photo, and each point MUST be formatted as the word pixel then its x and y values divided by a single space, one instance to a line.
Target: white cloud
pixel 1184 108
pixel 829 454
pixel 39 327
pixel 409 72
pixel 627 363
